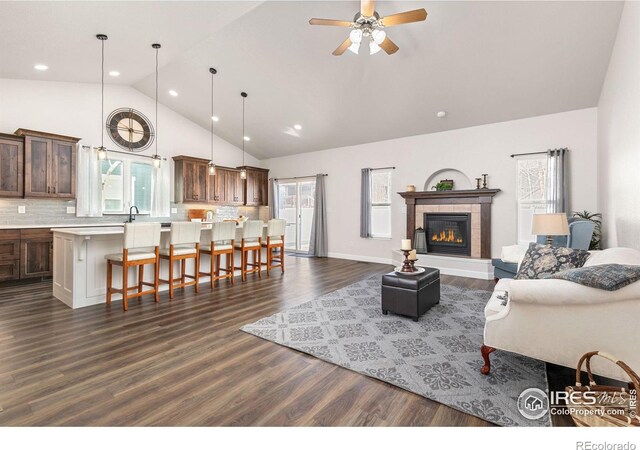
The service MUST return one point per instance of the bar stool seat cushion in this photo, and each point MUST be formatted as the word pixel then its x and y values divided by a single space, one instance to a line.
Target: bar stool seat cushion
pixel 273 242
pixel 218 247
pixel 178 251
pixel 133 256
pixel 249 244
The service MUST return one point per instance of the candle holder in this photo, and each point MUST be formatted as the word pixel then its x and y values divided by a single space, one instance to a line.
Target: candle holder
pixel 478 183
pixel 484 180
pixel 406 265
pixel 413 264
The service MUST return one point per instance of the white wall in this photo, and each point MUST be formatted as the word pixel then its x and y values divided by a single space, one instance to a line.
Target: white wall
pixel 476 150
pixel 74 109
pixel 619 136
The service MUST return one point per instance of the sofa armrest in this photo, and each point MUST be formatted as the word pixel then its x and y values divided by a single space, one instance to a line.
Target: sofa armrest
pixel 563 292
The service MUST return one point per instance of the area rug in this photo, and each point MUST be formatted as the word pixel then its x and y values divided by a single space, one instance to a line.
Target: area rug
pixel 437 357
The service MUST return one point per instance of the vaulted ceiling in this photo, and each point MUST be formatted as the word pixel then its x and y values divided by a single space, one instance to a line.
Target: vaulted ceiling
pixel 482 62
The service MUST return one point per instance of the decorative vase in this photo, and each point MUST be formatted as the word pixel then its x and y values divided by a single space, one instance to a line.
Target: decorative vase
pixel 411 188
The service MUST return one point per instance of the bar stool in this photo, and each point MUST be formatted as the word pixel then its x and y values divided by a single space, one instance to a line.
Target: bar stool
pixel 184 244
pixel 222 238
pixel 274 236
pixel 141 246
pixel 250 241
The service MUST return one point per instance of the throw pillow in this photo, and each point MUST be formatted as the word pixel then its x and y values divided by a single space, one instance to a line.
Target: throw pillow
pixel 609 277
pixel 541 261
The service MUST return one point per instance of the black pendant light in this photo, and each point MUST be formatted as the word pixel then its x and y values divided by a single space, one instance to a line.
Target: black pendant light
pixel 243 171
pixel 102 151
pixel 157 160
pixel 212 164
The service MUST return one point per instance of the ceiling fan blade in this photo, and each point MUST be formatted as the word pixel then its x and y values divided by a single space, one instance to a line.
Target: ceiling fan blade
pixel 389 46
pixel 330 22
pixel 342 48
pixel 367 8
pixel 417 15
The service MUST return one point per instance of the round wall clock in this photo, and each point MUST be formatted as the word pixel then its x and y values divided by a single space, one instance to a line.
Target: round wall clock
pixel 130 129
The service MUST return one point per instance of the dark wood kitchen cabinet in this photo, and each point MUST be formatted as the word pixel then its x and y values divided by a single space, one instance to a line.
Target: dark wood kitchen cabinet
pixel 49 164
pixel 26 254
pixel 191 180
pixel 256 187
pixel 234 188
pixel 11 166
pixel 36 253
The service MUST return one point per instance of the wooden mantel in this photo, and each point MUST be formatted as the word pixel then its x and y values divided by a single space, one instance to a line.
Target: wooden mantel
pixel 484 197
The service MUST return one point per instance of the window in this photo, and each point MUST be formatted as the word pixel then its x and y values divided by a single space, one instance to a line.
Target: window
pixel 381 203
pixel 532 194
pixel 126 182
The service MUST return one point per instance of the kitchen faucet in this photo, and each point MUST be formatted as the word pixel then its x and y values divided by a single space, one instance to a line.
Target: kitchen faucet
pixel 131 216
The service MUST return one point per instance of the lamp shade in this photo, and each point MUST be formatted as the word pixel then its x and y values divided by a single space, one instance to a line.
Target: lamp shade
pixel 555 224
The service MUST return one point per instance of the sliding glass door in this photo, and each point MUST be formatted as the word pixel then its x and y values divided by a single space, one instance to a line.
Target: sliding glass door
pixel 295 204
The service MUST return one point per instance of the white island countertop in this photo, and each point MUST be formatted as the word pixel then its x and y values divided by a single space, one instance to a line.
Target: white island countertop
pixel 102 231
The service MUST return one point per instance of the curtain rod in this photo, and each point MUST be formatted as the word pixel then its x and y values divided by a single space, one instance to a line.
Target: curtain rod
pixel 381 168
pixel 538 153
pixel 125 153
pixel 295 178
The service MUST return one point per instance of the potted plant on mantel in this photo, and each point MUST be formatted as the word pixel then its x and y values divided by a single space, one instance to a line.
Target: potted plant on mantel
pixel 443 185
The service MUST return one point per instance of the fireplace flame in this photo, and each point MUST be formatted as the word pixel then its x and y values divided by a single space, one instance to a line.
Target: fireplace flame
pixel 446 236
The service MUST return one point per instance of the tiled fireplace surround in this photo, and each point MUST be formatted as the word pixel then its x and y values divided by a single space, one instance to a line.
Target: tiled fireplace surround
pixel 476 201
pixel 476 230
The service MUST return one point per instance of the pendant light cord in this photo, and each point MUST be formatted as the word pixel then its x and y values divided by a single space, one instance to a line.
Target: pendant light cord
pixel 102 100
pixel 212 117
pixel 156 102
pixel 243 135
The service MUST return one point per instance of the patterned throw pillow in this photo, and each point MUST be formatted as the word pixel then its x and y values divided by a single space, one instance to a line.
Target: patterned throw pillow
pixel 542 261
pixel 609 277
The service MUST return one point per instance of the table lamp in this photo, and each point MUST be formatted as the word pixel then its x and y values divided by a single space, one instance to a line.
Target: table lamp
pixel 554 224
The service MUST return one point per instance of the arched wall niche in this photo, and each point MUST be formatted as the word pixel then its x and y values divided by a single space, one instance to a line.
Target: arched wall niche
pixel 460 180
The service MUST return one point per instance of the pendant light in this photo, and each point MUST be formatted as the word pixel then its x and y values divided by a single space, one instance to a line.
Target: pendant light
pixel 157 160
pixel 212 165
pixel 102 151
pixel 243 171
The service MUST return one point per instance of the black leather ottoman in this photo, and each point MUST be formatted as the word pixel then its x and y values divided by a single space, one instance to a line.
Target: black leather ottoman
pixel 410 295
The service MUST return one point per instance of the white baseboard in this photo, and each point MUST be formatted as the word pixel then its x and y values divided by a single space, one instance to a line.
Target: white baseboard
pixel 371 259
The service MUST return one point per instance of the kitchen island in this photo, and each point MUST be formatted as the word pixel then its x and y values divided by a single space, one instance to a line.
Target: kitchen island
pixel 80 269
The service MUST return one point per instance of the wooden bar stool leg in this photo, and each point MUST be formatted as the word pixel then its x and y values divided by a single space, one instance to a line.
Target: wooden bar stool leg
pixel 282 255
pixel 183 267
pixel 171 278
pixel 212 269
pixel 109 280
pixel 231 265
pixel 259 261
pixel 140 278
pixel 156 282
pixel 125 284
pixel 242 265
pixel 197 277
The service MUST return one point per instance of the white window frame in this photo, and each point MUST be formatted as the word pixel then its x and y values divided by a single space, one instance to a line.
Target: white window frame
pixel 127 191
pixel 381 204
pixel 535 206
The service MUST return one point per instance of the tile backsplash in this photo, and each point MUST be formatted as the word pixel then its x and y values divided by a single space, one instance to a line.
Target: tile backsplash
pixel 54 212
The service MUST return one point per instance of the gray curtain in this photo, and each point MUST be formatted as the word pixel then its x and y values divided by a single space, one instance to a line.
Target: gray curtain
pixel 365 204
pixel 318 244
pixel 274 200
pixel 557 181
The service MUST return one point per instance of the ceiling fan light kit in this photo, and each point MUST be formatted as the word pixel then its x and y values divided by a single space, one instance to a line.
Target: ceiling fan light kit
pixel 368 24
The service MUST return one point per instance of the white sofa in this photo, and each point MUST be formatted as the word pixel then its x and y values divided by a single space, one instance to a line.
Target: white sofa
pixel 558 321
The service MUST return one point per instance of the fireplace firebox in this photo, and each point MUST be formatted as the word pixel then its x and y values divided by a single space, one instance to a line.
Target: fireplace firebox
pixel 448 233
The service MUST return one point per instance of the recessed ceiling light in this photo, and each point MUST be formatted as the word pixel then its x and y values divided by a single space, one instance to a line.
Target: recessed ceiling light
pixel 247 138
pixel 441 114
pixel 114 73
pixel 215 118
pixel 40 67
pixel 297 127
pixel 173 93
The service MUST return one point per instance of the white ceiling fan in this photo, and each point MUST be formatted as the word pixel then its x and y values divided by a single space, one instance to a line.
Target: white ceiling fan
pixel 368 24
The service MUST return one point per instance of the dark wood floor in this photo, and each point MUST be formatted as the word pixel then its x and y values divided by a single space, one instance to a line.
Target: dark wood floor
pixel 185 362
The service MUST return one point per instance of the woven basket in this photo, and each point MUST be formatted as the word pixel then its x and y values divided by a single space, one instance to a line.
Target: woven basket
pixel 624 412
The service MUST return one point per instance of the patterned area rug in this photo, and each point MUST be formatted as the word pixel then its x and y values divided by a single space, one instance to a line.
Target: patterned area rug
pixel 437 357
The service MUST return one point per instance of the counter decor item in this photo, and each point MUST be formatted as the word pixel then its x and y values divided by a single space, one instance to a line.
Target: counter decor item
pixel 443 185
pixel 411 188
